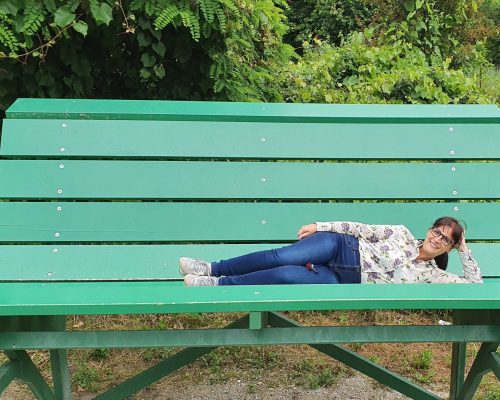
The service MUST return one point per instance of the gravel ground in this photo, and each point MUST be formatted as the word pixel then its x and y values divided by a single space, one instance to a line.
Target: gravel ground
pixel 355 387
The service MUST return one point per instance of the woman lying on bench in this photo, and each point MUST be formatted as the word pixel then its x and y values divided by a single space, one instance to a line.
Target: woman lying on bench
pixel 345 252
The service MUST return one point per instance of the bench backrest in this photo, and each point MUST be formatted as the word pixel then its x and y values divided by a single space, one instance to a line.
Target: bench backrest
pixel 213 180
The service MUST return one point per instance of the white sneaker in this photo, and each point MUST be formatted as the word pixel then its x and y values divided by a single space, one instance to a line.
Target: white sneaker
pixel 197 280
pixel 194 267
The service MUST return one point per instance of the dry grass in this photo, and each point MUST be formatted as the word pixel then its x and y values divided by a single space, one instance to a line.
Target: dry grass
pixel 275 366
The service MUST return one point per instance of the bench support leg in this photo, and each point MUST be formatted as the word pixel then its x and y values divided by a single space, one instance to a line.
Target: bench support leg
pixel 8 373
pixel 164 368
pixel 60 374
pixel 458 356
pixel 21 366
pixel 28 373
pixel 362 364
pixel 486 360
pixel 59 362
pixel 258 320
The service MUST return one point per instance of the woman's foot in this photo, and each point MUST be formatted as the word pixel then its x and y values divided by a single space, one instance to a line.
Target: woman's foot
pixel 197 280
pixel 194 267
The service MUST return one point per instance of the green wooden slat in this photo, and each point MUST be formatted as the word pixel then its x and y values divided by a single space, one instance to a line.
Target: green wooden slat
pixel 162 297
pixel 486 254
pixel 154 262
pixel 107 262
pixel 198 110
pixel 266 180
pixel 218 221
pixel 248 139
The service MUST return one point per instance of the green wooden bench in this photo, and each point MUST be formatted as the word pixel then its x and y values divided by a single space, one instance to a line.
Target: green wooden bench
pixel 99 199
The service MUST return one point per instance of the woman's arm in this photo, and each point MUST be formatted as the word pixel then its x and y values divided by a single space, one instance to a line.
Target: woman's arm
pixel 470 267
pixel 371 233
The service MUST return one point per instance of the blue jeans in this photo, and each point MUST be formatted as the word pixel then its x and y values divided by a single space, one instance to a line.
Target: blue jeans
pixel 335 258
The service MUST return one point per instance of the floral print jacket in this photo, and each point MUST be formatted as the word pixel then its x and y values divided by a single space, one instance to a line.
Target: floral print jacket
pixel 388 255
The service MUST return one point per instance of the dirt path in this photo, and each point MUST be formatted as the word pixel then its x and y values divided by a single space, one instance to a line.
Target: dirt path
pixel 356 387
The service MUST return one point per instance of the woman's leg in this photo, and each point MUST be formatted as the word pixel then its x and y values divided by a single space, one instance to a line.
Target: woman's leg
pixel 284 275
pixel 318 248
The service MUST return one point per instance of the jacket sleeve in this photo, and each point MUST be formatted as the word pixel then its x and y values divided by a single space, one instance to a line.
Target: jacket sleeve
pixel 370 233
pixel 472 272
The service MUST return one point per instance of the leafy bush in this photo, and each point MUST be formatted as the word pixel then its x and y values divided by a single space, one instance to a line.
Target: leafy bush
pixel 491 12
pixel 448 28
pixel 175 49
pixel 328 20
pixel 357 72
pixel 233 50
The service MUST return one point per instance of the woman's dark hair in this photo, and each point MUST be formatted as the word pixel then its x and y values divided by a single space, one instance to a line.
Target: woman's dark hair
pixel 442 261
pixel 457 231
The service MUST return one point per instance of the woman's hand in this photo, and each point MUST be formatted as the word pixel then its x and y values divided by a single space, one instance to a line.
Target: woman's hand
pixel 306 230
pixel 462 246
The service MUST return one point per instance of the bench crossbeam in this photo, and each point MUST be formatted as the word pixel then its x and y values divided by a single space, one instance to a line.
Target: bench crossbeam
pixel 247 337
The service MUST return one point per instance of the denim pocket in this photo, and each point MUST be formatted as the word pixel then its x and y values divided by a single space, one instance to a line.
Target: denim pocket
pixel 347 273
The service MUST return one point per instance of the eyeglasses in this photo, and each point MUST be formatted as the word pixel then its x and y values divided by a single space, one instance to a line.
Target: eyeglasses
pixel 444 239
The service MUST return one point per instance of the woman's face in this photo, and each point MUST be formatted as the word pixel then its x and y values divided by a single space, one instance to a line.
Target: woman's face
pixel 438 241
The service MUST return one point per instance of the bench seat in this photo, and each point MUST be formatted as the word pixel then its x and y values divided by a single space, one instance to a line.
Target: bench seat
pixel 100 198
pixel 63 298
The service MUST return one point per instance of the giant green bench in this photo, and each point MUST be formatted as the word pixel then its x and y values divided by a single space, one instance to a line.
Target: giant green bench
pixel 99 199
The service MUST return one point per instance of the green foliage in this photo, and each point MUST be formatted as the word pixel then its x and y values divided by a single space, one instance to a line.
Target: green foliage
pixel 448 28
pixel 422 360
pixel 430 28
pixel 100 354
pixel 360 72
pixel 7 37
pixel 314 374
pixel 234 50
pixel 328 20
pixel 176 49
pixel 86 377
pixel 491 11
pixel 33 17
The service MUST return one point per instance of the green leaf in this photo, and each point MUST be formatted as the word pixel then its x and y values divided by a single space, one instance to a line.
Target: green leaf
pixel 148 60
pixel 474 5
pixel 102 13
pixel 143 39
pixel 80 27
pixel 63 16
pixel 159 71
pixel 144 73
pixel 159 49
pixel 387 88
pixel 8 8
pixel 409 5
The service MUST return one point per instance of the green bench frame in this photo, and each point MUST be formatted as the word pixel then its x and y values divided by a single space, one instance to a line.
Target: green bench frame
pixel 99 199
